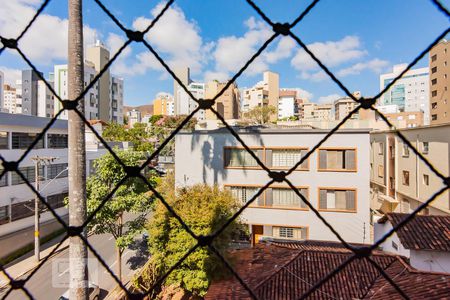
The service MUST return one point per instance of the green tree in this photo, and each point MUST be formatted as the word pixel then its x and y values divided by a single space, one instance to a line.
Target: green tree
pixel 261 114
pixel 138 135
pixel 131 197
pixel 204 209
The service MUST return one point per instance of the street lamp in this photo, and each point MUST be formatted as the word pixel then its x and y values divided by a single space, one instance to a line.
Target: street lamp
pixel 38 160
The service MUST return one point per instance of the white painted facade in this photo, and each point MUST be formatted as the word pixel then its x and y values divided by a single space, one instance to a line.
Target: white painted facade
pixel 286 107
pixel 45 101
pixel 186 105
pixel 12 101
pixel 205 150
pixel 425 260
pixel 134 116
pixel 410 93
pixel 116 99
pixel 12 193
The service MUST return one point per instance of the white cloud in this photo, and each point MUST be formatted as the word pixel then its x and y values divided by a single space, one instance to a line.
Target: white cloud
pixel 11 75
pixel 211 75
pixel 328 99
pixel 375 65
pixel 46 40
pixel 314 76
pixel 303 94
pixel 331 53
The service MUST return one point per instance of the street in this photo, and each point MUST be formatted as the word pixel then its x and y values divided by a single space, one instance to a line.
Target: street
pixel 50 280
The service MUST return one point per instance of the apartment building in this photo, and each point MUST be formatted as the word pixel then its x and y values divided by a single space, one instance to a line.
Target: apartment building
pixel 227 105
pixel 17 132
pixel 310 111
pixel 183 74
pixel 116 99
pixel 134 116
pixel 11 102
pixel 410 93
pixel 343 106
pixel 186 105
pixel 164 105
pixel 439 68
pixel 61 88
pixel 335 178
pixel 265 92
pixel 406 119
pixel 287 104
pixel 399 180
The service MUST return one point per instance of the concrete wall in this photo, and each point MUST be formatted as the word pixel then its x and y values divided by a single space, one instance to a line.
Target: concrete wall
pixel 380 230
pixel 436 261
pixel 199 159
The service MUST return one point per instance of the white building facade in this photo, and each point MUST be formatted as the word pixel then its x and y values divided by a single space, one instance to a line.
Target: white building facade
pixel 186 105
pixel 335 179
pixel 409 93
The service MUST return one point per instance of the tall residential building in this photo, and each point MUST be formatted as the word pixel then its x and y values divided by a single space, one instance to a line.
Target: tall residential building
pixel 98 55
pixel 186 104
pixel 164 105
pixel 334 179
pixel 91 104
pixel 12 103
pixel 287 104
pixel 183 73
pixel 30 92
pixel 45 100
pixel 343 106
pixel 439 83
pixel 227 105
pixel 265 92
pixel 399 180
pixel 134 116
pixel 116 99
pixel 410 93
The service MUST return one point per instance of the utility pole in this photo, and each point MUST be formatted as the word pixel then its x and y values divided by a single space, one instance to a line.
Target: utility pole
pixel 77 154
pixel 38 160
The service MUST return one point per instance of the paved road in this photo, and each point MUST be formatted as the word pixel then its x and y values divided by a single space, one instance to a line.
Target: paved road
pixel 46 282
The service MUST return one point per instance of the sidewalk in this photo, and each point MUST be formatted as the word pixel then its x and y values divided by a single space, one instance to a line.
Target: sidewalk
pixel 27 263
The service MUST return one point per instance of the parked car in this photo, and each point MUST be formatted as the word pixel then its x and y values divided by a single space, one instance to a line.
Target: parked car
pixel 94 292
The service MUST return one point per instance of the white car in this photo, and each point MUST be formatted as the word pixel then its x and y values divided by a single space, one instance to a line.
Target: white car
pixel 94 292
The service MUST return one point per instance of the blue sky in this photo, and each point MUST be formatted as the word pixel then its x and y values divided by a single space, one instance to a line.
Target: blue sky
pixel 358 40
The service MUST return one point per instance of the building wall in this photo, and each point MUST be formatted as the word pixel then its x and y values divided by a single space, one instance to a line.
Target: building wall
pixel 2 82
pixel 183 73
pixel 29 92
pixel 186 105
pixel 116 99
pixel 434 261
pixel 392 243
pixel 12 103
pixel 407 119
pixel 227 105
pixel 45 100
pixel 439 83
pixel 286 107
pixel 206 165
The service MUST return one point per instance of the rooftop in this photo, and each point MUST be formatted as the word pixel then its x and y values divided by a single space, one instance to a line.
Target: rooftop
pixel 261 129
pixel 286 270
pixel 7 119
pixel 422 232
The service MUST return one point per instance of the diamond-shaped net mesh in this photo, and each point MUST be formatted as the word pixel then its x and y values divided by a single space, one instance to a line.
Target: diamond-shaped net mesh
pixel 206 104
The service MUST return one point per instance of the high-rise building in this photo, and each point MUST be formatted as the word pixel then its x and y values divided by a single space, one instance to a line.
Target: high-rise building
pixel 410 93
pixel 91 106
pixel 164 105
pixel 98 55
pixel 227 105
pixel 287 104
pixel 265 92
pixel 186 104
pixel 30 92
pixel 343 106
pixel 439 68
pixel 183 73
pixel 116 99
pixel 12 103
pixel 2 82
pixel 45 100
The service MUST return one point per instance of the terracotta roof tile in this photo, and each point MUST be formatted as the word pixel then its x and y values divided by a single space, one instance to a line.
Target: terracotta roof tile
pixel 422 232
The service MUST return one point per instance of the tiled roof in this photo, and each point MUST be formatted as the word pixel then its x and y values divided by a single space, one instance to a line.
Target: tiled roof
pixel 277 270
pixel 422 232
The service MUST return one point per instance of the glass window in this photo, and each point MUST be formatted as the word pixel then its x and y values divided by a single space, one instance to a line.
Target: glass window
pixel 57 201
pixel 22 140
pixel 240 158
pixel 4 179
pixel 285 158
pixel 286 197
pixel 244 193
pixel 406 178
pixel 405 150
pixel 55 170
pixel 289 232
pixel 4 140
pixel 334 199
pixel 57 140
pixel 337 159
pixel 22 210
pixel 426 179
pixel 425 147
pixel 28 172
pixel 4 214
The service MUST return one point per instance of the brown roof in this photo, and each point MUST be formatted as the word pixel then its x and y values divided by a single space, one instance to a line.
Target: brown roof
pixel 287 270
pixel 422 232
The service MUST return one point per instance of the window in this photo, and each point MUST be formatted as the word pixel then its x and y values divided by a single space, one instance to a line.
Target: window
pixel 426 179
pixel 285 197
pixel 434 57
pixel 406 178
pixel 4 214
pixel 28 172
pixel 337 160
pixel 380 171
pixel 22 140
pixel 405 150
pixel 434 117
pixel 425 147
pixel 57 170
pixel 433 70
pixel 290 232
pixel 285 158
pixel 241 158
pixel 434 105
pixel 22 210
pixel 4 140
pixel 245 193
pixel 433 81
pixel 394 245
pixel 4 180
pixel 57 140
pixel 337 199
pixel 57 201
pixel 433 93
pixel 380 148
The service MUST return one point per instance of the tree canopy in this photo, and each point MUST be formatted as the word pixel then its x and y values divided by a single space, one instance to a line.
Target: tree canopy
pixel 261 114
